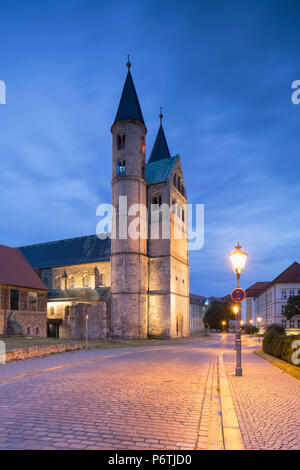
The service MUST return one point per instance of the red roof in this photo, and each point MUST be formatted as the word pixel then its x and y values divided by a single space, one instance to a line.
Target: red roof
pixel 16 271
pixel 256 289
pixel 291 274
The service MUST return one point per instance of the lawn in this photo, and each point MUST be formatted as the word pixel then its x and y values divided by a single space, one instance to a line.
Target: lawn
pixel 290 369
pixel 20 342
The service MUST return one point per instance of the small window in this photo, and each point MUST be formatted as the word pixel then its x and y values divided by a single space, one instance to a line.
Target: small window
pixel 102 279
pixel 37 331
pixel 156 201
pixel 282 308
pixel 85 280
pixel 28 331
pixel 121 167
pixel 283 294
pixel 143 170
pixel 72 282
pixel 174 206
pixel 58 283
pixel 179 184
pixel 121 141
pixel 175 180
pixel 292 324
pixel 51 310
pixel 14 299
pixel 182 215
pixel 292 293
pixel 32 300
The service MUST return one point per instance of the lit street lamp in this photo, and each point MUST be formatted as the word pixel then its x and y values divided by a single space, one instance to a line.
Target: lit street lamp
pixel 258 321
pixel 238 260
pixel 223 323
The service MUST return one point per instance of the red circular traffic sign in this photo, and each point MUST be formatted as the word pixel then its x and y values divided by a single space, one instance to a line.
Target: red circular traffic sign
pixel 238 295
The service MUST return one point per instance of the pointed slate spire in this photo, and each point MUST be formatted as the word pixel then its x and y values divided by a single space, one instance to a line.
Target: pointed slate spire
pixel 160 148
pixel 129 106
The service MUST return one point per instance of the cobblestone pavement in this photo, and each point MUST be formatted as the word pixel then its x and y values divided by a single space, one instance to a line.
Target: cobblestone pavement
pixel 267 403
pixel 129 399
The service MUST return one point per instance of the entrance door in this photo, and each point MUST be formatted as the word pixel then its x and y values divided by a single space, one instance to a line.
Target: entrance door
pixel 53 330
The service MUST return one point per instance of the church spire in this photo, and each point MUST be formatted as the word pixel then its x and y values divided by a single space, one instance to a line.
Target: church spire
pixel 129 106
pixel 160 148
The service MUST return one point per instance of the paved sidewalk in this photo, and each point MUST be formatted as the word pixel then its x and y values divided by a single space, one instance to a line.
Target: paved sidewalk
pixel 267 402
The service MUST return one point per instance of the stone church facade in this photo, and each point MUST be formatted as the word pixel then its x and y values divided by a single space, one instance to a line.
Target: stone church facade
pixel 129 286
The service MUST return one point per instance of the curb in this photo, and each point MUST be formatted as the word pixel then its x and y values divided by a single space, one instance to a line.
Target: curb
pixel 233 439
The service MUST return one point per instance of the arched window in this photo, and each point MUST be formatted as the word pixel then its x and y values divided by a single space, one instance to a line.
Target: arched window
pixel 179 184
pixel 121 141
pixel 72 282
pixel 121 170
pixel 182 215
pixel 28 331
pixel 58 283
pixel 85 280
pixel 37 331
pixel 156 201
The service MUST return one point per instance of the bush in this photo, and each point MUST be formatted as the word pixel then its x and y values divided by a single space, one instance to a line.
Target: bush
pixel 278 344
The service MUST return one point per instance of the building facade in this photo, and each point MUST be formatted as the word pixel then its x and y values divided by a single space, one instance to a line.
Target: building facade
pixel 23 296
pixel 269 299
pixel 132 285
pixel 197 309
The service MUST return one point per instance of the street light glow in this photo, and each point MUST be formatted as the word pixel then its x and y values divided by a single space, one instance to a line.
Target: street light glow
pixel 236 309
pixel 238 259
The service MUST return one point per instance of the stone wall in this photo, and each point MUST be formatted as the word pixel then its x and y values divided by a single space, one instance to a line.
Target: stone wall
pixel 38 351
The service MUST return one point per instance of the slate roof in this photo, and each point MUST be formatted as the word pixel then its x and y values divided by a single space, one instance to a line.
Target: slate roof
pixel 80 250
pixel 291 274
pixel 80 293
pixel 160 149
pixel 129 106
pixel 16 271
pixel 256 289
pixel 160 170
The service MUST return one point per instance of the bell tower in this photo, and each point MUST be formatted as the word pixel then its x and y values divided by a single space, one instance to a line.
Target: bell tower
pixel 129 262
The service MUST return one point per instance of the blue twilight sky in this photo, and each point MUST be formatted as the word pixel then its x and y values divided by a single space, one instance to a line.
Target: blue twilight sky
pixel 222 70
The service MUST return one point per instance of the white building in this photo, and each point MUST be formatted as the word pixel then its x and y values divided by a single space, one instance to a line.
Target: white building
pixel 197 310
pixel 268 300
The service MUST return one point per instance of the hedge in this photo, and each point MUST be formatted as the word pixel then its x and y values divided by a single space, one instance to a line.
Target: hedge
pixel 278 344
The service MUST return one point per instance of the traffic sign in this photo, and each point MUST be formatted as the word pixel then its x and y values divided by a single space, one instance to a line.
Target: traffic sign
pixel 238 295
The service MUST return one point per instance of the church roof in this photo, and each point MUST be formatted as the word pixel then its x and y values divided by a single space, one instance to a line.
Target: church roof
pixel 129 106
pixel 71 251
pixel 80 293
pixel 16 271
pixel 160 149
pixel 160 170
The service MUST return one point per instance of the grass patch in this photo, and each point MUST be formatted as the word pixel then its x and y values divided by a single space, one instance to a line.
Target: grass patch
pixel 21 342
pixel 290 369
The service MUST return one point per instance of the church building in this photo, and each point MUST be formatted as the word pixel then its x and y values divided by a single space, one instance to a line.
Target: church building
pixel 128 286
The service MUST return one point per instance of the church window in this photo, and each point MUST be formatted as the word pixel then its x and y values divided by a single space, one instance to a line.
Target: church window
pixel 85 280
pixel 102 279
pixel 179 184
pixel 72 282
pixel 121 167
pixel 14 299
pixel 182 215
pixel 121 141
pixel 156 201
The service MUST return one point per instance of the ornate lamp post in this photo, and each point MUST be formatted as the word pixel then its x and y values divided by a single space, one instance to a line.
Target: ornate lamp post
pixel 238 260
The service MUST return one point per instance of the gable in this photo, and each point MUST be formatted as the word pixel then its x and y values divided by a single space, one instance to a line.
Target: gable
pixel 160 170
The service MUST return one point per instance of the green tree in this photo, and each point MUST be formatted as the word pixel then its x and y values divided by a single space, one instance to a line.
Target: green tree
pixel 293 307
pixel 217 313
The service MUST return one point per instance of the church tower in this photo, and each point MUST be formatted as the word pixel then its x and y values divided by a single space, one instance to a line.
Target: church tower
pixel 129 263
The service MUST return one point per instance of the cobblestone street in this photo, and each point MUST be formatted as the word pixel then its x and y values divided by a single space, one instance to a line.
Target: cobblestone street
pixel 144 398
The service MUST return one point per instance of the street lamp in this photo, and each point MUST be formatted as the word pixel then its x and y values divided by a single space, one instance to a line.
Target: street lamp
pixel 238 259
pixel 223 323
pixel 258 321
